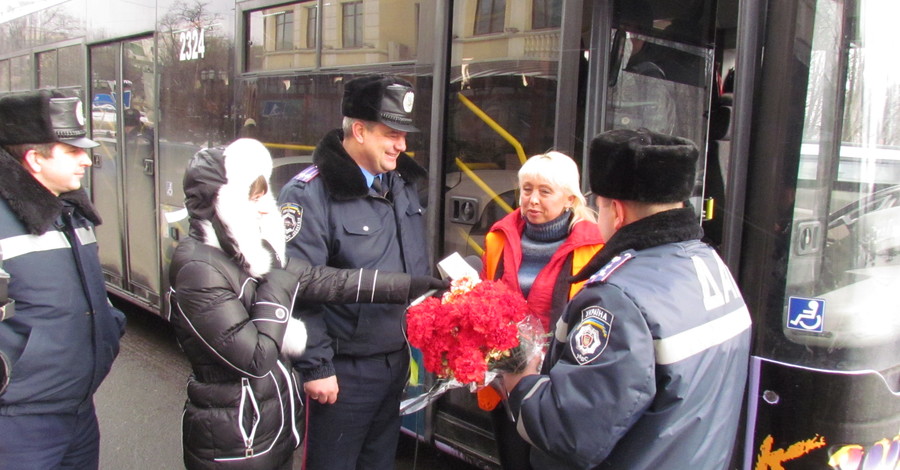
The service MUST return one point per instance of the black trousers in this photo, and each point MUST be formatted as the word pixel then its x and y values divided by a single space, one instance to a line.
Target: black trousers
pixel 50 441
pixel 361 430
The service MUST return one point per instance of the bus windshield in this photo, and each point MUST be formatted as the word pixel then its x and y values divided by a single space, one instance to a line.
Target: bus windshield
pixel 843 269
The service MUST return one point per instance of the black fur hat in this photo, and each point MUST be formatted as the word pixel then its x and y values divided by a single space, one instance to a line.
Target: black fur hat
pixel 377 98
pixel 42 117
pixel 642 166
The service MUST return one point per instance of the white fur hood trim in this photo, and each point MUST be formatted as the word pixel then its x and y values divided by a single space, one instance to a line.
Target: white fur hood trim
pixel 245 161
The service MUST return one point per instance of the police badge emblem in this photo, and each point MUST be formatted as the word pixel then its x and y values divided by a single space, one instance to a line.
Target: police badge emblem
pixel 408 100
pixel 292 215
pixel 591 335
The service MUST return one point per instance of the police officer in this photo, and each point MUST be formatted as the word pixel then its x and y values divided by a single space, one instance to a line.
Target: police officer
pixel 649 361
pixel 358 207
pixel 64 335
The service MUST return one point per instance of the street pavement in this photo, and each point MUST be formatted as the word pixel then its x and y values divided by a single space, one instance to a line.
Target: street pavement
pixel 140 403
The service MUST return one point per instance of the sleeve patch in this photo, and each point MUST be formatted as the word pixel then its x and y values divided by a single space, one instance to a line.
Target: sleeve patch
pixel 292 215
pixel 590 337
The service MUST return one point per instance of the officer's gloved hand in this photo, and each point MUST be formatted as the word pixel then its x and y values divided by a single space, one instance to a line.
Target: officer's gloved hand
pixel 419 285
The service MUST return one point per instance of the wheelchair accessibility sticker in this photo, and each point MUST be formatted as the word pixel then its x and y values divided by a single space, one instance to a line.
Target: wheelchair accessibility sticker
pixel 806 314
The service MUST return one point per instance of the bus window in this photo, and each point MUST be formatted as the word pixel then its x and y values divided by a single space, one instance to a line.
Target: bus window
pixel 71 66
pixel 47 69
pixel 660 73
pixel 501 110
pixel 282 37
pixel 20 72
pixel 4 76
pixel 843 269
pixel 285 37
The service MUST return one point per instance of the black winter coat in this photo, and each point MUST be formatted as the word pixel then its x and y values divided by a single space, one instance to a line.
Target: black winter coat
pixel 243 403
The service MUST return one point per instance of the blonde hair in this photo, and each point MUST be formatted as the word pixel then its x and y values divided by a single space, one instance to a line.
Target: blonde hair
pixel 560 171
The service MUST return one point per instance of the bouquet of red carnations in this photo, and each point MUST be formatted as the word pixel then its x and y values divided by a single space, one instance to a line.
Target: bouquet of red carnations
pixel 471 332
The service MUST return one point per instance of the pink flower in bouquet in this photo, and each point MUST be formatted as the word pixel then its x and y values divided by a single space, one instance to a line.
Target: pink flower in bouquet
pixel 472 325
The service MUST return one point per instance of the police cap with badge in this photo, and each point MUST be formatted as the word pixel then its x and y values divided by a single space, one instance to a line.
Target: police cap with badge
pixel 42 117
pixel 377 98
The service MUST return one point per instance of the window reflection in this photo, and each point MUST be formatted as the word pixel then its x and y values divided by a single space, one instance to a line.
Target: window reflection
pixel 501 109
pixel 546 14
pixel 47 69
pixel 284 30
pixel 661 86
pixel 71 66
pixel 62 67
pixel 845 235
pixel 4 75
pixel 20 73
pixel 311 19
pixel 354 33
pixel 352 24
pixel 53 24
pixel 490 16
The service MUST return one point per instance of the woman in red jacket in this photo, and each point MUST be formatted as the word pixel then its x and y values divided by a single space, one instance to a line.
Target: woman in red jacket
pixel 535 249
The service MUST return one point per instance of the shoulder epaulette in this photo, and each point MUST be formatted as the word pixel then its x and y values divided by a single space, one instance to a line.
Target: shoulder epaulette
pixel 606 271
pixel 308 174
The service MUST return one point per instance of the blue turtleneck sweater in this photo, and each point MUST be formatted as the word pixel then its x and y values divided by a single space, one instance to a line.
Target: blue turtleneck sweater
pixel 539 242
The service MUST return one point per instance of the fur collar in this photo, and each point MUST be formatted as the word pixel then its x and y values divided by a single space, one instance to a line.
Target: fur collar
pixel 32 203
pixel 672 226
pixel 341 174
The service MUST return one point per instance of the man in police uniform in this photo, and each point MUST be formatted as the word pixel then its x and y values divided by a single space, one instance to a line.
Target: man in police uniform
pixel 64 334
pixel 358 207
pixel 648 365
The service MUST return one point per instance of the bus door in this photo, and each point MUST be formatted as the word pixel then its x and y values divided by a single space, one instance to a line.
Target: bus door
pixel 819 265
pixel 659 72
pixel 511 94
pixel 123 113
pixel 526 79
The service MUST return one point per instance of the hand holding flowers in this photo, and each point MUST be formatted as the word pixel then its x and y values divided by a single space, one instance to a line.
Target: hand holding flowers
pixel 472 332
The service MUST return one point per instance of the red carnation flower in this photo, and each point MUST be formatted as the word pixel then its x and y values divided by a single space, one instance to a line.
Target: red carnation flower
pixel 463 333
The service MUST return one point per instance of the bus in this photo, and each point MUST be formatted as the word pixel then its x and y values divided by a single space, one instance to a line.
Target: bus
pixel 795 106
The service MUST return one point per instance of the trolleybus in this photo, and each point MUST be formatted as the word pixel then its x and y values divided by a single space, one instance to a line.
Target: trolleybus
pixel 794 104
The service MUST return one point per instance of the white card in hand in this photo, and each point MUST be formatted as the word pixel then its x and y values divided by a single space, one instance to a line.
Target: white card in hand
pixel 455 267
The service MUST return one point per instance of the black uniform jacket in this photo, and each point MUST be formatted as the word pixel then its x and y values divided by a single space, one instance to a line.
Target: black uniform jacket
pixel 334 219
pixel 65 334
pixel 649 361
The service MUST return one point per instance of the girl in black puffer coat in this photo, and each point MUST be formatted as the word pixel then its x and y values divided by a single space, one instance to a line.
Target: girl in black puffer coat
pixel 232 297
